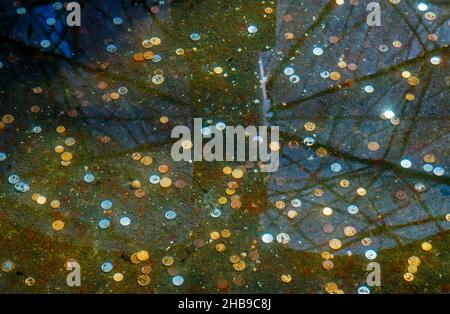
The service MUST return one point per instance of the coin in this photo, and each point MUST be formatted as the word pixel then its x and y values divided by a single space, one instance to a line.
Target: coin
pixel 58 225
pixel 167 260
pixel 165 182
pixel 239 266
pixel 146 160
pixel 147 269
pixel 134 258
pixel 412 269
pixel 214 235
pixel 143 280
pixel 286 278
pixel 142 255
pixel 237 173
pixel 220 247
pixel 349 231
pixel 335 244
pixel 66 156
pixel 408 277
pixel 225 233
pixel 118 277
pixel 414 260
pixel 327 264
pixel 426 246
pixel 327 211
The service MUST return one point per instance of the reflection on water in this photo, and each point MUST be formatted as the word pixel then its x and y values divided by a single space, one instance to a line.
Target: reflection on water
pixel 86 120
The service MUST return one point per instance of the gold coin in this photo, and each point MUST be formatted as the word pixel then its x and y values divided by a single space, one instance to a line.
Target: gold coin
pixel 321 152
pixel 344 183
pixel 146 43
pixel 146 160
pixel 136 156
pixel 408 276
pixel 429 158
pixel 225 233
pixel 327 211
pixel 409 96
pixel 292 214
pixel 327 264
pixel 342 64
pixel 361 191
pixel 30 281
pixel 412 269
pixel 330 287
pixel 147 269
pixel 227 170
pixel 136 184
pixel 349 231
pixel 274 146
pixel 286 278
pixel 55 204
pixel 139 193
pixel 318 192
pixel 268 10
pixel 179 51
pixel 8 118
pixel 142 255
pixel 41 200
pixel 280 204
pixel 406 74
pixel 413 81
pixel 167 260
pixel 426 246
pixel 143 280
pixel 35 109
pixel 165 182
pixel 234 259
pixel 239 266
pixel 134 258
pixel 60 129
pixel 58 225
pixel 218 70
pixel 325 255
pixel 289 35
pixel 373 146
pixel 220 247
pixel 66 156
pixel 414 260
pixel 309 126
pixel 229 191
pixel 155 41
pixel 118 277
pixel 222 200
pixel 335 244
pixel 164 119
pixel 148 55
pixel 114 95
pixel 35 196
pixel 335 76
pixel 237 173
pixel 214 235
pixel 447 217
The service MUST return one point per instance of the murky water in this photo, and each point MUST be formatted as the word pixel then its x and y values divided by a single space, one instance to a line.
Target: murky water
pixel 87 114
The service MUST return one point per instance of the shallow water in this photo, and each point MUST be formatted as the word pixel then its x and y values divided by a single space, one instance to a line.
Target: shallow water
pixel 241 69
